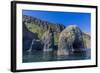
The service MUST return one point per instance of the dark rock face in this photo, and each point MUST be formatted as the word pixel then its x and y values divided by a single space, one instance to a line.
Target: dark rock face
pixel 71 39
pixel 28 37
pixel 28 34
pixel 48 41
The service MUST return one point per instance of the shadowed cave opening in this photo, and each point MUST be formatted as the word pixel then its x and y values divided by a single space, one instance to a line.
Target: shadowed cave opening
pixel 77 45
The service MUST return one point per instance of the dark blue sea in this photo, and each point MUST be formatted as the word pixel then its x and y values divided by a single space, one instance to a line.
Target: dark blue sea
pixel 40 56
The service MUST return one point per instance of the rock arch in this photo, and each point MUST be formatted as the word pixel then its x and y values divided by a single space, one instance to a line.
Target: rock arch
pixel 70 40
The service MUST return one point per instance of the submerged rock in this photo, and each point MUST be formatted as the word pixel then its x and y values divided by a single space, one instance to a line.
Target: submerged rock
pixel 70 40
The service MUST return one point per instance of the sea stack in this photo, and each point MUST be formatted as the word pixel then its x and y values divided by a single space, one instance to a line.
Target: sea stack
pixel 70 40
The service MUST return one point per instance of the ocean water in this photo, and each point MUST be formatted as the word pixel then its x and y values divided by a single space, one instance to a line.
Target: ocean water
pixel 40 56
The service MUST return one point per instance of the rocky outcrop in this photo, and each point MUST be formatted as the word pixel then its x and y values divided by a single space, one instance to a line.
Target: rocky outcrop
pixel 48 40
pixel 43 24
pixel 70 40
pixel 49 36
pixel 87 40
pixel 28 36
pixel 38 28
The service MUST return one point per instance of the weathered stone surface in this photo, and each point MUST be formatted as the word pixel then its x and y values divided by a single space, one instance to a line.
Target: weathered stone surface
pixel 44 24
pixel 87 40
pixel 48 41
pixel 27 39
pixel 70 39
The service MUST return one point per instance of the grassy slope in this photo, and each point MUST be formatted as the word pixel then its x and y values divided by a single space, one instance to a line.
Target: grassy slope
pixel 36 29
